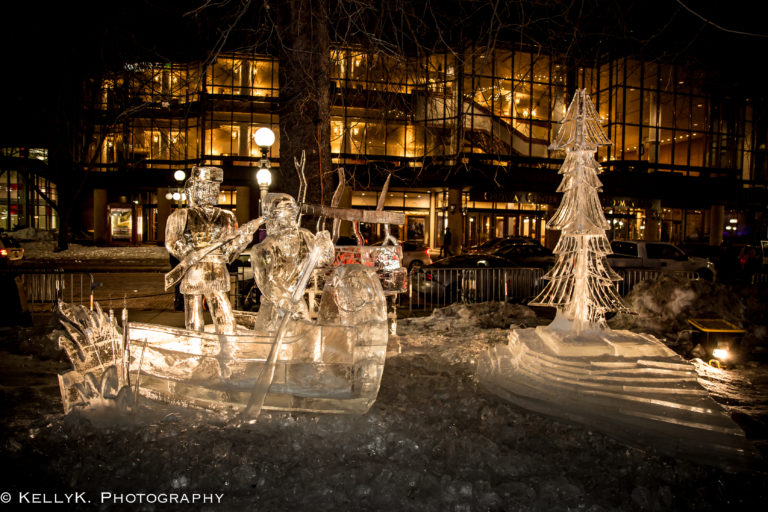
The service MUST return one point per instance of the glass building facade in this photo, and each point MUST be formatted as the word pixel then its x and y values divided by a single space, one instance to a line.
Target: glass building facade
pixel 490 113
pixel 24 190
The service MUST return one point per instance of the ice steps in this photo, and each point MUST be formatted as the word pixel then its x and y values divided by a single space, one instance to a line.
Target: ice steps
pixel 649 398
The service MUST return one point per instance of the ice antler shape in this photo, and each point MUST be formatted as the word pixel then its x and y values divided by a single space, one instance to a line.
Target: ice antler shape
pixel 581 284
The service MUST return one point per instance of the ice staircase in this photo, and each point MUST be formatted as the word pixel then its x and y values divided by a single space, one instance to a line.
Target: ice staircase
pixel 627 385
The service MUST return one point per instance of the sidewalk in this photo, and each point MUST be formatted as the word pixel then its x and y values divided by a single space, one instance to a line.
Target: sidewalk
pixel 160 317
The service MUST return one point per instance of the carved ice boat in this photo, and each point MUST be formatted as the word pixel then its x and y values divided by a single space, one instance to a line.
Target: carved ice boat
pixel 332 364
pixel 320 367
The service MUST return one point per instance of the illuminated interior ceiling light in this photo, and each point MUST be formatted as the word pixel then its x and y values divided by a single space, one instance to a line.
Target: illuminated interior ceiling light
pixel 734 221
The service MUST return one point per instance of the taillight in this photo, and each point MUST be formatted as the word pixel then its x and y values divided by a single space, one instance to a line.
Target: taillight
pixel 426 252
pixel 3 252
pixel 428 276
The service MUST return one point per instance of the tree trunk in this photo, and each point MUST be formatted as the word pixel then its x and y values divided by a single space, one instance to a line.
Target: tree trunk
pixel 304 55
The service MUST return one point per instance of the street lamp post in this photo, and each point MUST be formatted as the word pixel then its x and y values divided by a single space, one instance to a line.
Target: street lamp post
pixel 177 194
pixel 264 138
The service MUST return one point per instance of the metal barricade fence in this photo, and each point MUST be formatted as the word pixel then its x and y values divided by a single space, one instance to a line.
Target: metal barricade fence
pixel 631 277
pixel 438 287
pixel 45 286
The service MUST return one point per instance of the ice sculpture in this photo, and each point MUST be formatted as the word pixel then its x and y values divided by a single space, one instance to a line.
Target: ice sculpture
pixel 279 259
pixel 95 347
pixel 626 384
pixel 281 358
pixel 205 238
pixel 581 284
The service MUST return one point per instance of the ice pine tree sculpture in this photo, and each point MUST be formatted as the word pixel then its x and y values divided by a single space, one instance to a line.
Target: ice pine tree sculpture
pixel 581 284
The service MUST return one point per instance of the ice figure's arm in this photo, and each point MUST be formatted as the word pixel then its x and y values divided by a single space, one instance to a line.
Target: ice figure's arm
pixel 243 238
pixel 174 235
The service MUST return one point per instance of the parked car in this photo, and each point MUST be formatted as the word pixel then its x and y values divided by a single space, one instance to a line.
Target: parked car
pixel 415 255
pixel 527 255
pixel 661 256
pixel 444 279
pixel 494 244
pixel 10 250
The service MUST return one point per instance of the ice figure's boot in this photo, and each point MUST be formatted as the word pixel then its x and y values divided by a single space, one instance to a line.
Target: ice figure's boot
pixel 194 321
pixel 193 312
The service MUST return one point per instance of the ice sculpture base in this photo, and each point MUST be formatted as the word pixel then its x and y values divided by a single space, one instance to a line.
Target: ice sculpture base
pixel 628 385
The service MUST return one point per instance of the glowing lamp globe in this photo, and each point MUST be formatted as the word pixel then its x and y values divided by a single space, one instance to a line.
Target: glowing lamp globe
pixel 176 196
pixel 264 137
pixel 264 177
pixel 179 175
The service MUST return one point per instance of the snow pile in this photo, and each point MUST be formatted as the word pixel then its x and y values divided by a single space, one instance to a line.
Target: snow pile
pixel 485 315
pixel 147 254
pixel 664 305
pixel 458 334
pixel 41 341
pixel 33 235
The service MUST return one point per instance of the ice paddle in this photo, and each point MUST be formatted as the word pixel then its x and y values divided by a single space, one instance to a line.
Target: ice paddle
pixel 267 374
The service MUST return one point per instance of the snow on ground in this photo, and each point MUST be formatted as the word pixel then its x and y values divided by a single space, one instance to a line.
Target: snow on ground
pixel 45 250
pixel 434 440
